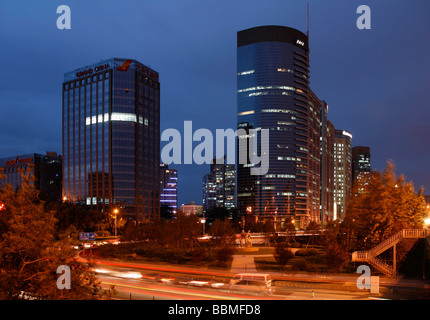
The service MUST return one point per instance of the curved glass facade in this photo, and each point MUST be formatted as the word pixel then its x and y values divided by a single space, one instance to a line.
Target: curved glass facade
pixel 273 93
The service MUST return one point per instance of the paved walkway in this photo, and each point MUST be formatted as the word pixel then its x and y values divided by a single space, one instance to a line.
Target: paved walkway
pixel 245 262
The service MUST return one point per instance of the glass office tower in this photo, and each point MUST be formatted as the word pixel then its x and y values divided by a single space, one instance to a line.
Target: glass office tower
pixel 111 137
pixel 273 93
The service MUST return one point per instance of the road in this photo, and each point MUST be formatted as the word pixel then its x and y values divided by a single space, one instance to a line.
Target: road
pixel 130 285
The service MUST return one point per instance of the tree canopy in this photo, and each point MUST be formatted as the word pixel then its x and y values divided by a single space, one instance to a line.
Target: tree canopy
pixel 30 254
pixel 381 205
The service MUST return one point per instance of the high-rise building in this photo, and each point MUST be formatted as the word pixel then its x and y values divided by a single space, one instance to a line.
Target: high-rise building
pixel 111 137
pixel 327 167
pixel 342 171
pixel 46 170
pixel 360 162
pixel 273 93
pixel 168 188
pixel 219 186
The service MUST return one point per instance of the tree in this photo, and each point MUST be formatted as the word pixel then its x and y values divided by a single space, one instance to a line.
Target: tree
pixel 219 213
pixel 283 254
pixel 382 205
pixel 29 254
pixel 222 232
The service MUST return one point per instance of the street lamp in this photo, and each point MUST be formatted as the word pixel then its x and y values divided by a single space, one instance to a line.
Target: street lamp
pixel 115 211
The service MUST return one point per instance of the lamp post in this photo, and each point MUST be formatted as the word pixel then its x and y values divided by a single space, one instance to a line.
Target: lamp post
pixel 203 222
pixel 115 211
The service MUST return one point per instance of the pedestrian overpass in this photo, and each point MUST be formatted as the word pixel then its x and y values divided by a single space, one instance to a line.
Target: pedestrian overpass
pixel 370 256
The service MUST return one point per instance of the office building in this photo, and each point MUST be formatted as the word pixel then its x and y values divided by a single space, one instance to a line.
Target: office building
pixel 219 186
pixel 327 168
pixel 360 162
pixel 273 93
pixel 168 189
pixel 111 137
pixel 192 208
pixel 342 171
pixel 46 170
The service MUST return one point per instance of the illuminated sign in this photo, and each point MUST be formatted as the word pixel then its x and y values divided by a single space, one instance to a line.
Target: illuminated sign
pixel 124 66
pixel 141 68
pixel 301 43
pixel 18 161
pixel 148 72
pixel 346 133
pixel 92 70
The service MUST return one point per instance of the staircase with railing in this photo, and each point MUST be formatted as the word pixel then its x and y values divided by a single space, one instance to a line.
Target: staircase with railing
pixel 370 256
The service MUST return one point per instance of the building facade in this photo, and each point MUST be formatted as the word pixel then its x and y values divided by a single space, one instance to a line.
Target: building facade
pixel 46 170
pixel 192 209
pixel 327 168
pixel 342 171
pixel 168 189
pixel 111 137
pixel 361 166
pixel 273 93
pixel 219 186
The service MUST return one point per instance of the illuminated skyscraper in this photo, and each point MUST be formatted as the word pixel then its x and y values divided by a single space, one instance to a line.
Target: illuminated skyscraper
pixel 342 171
pixel 273 93
pixel 111 137
pixel 219 186
pixel 360 162
pixel 168 188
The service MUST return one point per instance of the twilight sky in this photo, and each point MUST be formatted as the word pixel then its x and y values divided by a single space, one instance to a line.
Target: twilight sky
pixel 376 82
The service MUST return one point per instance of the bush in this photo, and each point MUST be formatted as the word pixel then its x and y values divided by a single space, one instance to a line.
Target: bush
pixel 306 252
pixel 296 245
pixel 224 254
pixel 282 254
pixel 304 265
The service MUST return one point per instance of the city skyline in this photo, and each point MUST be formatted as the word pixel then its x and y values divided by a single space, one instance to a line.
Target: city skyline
pixel 372 80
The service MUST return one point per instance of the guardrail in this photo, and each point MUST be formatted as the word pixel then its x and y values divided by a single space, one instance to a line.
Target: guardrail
pixel 370 255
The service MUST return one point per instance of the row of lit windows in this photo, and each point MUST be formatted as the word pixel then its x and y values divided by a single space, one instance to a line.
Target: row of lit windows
pixel 243 73
pixel 266 88
pixel 115 116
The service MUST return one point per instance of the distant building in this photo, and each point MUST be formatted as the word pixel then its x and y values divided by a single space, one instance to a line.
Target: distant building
pixel 219 186
pixel 361 166
pixel 168 188
pixel 47 171
pixel 342 171
pixel 192 208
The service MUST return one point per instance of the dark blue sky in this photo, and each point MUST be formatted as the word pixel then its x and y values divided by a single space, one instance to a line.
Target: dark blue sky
pixel 376 82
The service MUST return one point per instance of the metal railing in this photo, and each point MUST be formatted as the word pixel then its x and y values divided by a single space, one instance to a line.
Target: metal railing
pixel 370 255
